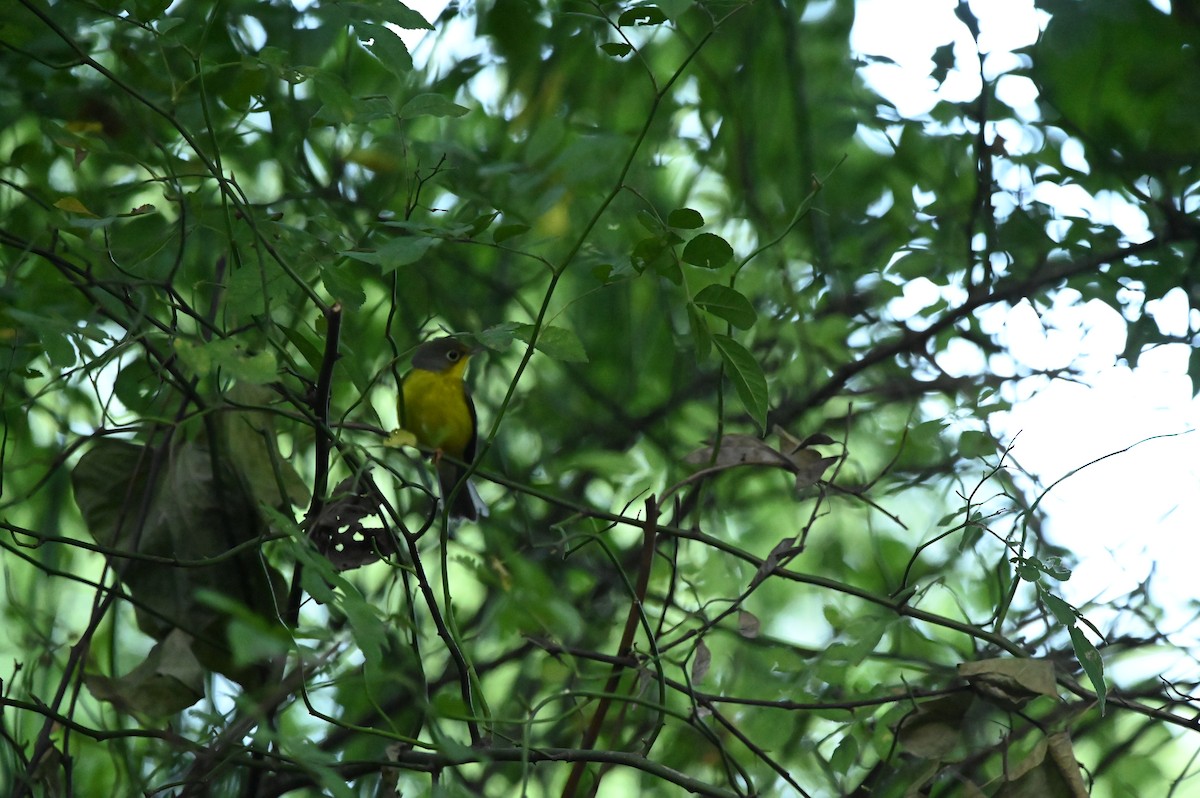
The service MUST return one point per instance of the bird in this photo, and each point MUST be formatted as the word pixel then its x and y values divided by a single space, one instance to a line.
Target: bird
pixel 435 406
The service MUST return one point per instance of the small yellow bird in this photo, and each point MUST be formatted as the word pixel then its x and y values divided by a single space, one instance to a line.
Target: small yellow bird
pixel 436 407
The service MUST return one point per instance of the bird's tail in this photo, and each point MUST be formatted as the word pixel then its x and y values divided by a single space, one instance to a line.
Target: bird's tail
pixel 467 503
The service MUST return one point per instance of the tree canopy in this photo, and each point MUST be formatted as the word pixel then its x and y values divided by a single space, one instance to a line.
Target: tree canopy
pixel 739 323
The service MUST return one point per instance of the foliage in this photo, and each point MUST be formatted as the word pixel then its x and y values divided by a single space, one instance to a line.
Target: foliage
pixel 749 531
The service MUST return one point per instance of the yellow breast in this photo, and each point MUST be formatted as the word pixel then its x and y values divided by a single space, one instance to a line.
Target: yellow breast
pixel 436 410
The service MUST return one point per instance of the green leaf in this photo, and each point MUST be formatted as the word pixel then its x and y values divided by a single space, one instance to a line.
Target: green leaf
pixel 701 334
pixel 385 45
pixel 138 386
pixel 669 268
pixel 859 638
pixel 949 517
pixel 337 104
pixel 257 369
pixel 650 222
pixel 498 337
pixel 341 283
pixel 229 356
pixel 149 10
pixel 399 251
pixel 431 105
pixel 727 304
pixel 943 62
pixel 647 253
pixel 250 439
pixel 685 219
pixel 1141 104
pixel 1053 567
pixel 1092 664
pixel 707 251
pixel 480 223
pixel 616 49
pixel 557 342
pixel 1063 612
pixel 252 638
pixel 507 231
pixel 973 444
pixel 367 628
pixel 1028 571
pixel 845 755
pixel 396 13
pixel 643 15
pixel 58 350
pixel 747 377
pixel 306 344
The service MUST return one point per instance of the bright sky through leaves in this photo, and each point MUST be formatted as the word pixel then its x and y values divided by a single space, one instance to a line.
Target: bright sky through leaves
pixel 1131 513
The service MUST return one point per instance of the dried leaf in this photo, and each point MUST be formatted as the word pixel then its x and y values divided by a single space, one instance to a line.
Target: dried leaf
pixel 934 731
pixel 168 681
pixel 1062 752
pixel 1010 681
pixel 784 549
pixel 748 624
pixel 793 454
pixel 809 465
pixel 339 534
pixel 735 450
pixel 1042 776
pixel 789 443
pixel 701 662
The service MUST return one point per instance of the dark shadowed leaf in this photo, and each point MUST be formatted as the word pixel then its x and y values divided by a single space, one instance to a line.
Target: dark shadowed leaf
pixel 685 219
pixel 557 342
pixel 431 105
pixel 642 15
pixel 708 251
pixel 616 49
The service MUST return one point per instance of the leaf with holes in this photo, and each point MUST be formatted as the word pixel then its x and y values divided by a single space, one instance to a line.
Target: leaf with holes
pixel 643 15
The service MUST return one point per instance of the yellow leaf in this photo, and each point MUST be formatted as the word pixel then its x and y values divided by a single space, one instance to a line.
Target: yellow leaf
pixel 85 126
pixel 377 160
pixel 73 205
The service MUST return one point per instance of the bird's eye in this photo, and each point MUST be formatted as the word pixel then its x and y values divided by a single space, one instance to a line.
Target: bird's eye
pixel 453 355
